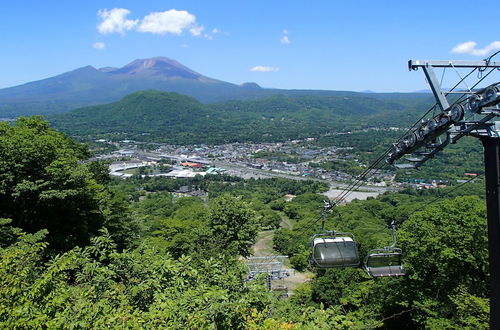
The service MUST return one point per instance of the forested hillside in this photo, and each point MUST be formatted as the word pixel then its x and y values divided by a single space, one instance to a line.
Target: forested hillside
pixel 79 250
pixel 178 119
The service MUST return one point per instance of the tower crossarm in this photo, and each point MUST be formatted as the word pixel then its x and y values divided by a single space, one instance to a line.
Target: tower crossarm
pixel 415 64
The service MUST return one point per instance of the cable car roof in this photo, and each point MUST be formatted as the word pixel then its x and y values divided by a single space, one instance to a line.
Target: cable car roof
pixel 342 239
pixel 385 254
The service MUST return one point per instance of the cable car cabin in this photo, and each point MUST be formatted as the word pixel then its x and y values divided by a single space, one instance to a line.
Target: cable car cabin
pixel 334 251
pixel 384 262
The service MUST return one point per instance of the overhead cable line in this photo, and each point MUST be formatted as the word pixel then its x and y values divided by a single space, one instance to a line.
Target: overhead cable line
pixel 361 178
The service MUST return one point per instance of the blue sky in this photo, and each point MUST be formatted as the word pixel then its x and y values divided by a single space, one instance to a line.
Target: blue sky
pixel 315 44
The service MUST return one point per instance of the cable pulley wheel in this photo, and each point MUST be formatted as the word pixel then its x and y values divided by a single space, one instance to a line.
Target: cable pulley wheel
pixel 431 125
pixel 473 103
pixel 410 140
pixel 456 113
pixel 491 94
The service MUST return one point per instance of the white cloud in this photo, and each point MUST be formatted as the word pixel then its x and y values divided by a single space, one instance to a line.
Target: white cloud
pixel 196 30
pixel 166 22
pixel 261 68
pixel 210 35
pixel 469 47
pixel 114 21
pixel 184 46
pixel 284 39
pixel 171 21
pixel 99 45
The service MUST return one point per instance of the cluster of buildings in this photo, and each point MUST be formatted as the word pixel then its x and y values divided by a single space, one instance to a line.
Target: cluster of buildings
pixel 127 168
pixel 293 158
pixel 426 184
pixel 290 158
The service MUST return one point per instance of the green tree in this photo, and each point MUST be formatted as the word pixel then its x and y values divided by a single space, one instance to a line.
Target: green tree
pixel 99 287
pixel 232 224
pixel 446 257
pixel 44 185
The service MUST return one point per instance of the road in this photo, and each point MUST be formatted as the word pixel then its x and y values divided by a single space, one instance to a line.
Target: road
pixel 362 192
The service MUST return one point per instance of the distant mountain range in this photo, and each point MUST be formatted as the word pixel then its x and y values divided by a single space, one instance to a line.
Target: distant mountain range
pixel 89 86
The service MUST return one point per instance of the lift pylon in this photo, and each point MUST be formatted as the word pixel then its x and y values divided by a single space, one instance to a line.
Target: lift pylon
pixel 492 170
pixel 483 102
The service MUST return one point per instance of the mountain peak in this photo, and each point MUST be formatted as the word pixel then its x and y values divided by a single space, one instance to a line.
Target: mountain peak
pixel 157 67
pixel 108 69
pixel 250 85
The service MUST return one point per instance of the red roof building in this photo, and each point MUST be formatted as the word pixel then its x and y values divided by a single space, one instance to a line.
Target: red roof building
pixel 192 165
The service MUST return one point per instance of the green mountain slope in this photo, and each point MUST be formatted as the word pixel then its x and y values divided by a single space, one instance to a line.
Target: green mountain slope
pixel 146 112
pixel 174 118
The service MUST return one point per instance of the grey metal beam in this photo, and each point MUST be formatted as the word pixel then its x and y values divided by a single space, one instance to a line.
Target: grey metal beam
pixel 415 64
pixel 492 172
pixel 469 127
pixel 436 87
pixel 404 166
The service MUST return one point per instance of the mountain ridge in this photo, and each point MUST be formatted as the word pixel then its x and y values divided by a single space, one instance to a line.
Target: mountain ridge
pixel 179 119
pixel 87 85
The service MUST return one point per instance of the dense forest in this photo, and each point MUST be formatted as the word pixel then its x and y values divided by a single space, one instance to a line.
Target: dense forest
pixel 79 250
pixel 178 119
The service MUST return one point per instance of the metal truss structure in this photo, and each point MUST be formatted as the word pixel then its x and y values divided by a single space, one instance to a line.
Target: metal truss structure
pixel 424 141
pixel 273 266
pixel 481 107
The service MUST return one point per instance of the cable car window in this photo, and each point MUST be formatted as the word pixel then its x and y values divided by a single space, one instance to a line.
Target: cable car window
pixel 384 260
pixel 386 263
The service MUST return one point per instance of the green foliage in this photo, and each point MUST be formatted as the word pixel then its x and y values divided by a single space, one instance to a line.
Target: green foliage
pixel 180 268
pixel 178 228
pixel 99 287
pixel 44 185
pixel 269 219
pixel 337 287
pixel 440 243
pixel 178 119
pixel 100 171
pixel 186 226
pixel 470 312
pixel 8 234
pixel 300 261
pixel 233 225
pixel 450 235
